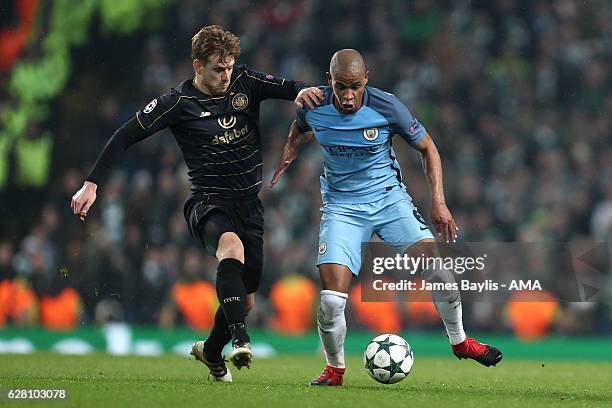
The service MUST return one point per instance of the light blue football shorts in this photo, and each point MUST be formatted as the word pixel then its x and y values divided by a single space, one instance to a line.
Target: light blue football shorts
pixel 345 226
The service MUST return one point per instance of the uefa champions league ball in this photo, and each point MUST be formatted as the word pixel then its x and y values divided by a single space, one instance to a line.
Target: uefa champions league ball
pixel 388 358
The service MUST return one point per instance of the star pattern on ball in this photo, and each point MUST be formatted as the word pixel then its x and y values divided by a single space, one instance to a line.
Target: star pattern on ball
pixel 385 344
pixel 370 364
pixel 395 368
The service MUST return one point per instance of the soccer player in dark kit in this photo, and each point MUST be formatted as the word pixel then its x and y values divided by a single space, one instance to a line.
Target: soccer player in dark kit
pixel 215 120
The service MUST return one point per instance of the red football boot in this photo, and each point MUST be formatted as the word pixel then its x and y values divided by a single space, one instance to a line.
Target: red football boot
pixel 330 376
pixel 483 353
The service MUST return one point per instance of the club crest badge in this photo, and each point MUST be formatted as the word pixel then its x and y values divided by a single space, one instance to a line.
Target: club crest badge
pixel 150 106
pixel 370 134
pixel 322 248
pixel 240 101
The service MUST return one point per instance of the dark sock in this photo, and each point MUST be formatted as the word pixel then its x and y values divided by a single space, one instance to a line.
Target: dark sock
pixel 239 333
pixel 231 290
pixel 219 336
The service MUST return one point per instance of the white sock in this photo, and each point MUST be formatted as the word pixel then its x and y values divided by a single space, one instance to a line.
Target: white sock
pixel 452 317
pixel 332 326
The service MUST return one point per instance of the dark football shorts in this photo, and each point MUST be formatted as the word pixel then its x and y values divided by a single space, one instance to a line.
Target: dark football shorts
pixel 209 219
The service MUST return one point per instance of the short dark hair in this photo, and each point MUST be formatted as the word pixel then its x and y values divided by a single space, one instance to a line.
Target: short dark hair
pixel 212 40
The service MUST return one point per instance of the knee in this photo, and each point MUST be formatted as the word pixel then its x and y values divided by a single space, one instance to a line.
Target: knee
pixel 331 308
pixel 230 246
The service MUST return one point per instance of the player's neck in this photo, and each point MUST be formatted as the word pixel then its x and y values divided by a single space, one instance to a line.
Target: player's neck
pixel 198 84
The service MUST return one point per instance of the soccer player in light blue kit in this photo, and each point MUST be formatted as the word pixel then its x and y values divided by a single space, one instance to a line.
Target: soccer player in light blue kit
pixel 363 194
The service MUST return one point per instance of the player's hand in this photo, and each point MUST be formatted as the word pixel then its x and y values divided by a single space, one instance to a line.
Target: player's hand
pixel 289 155
pixel 312 97
pixel 83 199
pixel 444 223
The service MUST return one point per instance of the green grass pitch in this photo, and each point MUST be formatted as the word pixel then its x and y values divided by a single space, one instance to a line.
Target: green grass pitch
pixel 102 380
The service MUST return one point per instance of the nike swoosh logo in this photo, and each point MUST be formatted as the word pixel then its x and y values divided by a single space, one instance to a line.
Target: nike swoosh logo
pixel 424 228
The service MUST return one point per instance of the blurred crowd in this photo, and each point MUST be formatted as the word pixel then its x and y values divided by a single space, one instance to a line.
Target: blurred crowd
pixel 515 93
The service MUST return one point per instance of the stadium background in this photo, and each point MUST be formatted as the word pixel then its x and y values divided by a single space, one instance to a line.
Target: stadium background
pixel 515 93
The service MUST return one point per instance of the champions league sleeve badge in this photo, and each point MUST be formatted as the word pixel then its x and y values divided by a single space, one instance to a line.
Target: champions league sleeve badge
pixel 150 106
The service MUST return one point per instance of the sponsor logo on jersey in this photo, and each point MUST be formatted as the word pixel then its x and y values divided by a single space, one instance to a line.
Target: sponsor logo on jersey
pixel 227 121
pixel 240 101
pixel 370 134
pixel 150 106
pixel 230 135
pixel 322 248
pixel 350 151
pixel 205 114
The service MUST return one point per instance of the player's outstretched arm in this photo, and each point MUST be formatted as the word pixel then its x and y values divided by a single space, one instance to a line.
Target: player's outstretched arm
pixel 266 86
pixel 297 137
pixel 440 215
pixel 158 114
pixel 128 134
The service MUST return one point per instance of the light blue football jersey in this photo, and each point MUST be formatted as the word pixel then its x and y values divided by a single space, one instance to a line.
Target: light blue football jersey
pixel 360 165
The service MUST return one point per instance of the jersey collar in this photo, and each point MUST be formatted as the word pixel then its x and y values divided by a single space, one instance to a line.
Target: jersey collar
pixel 366 98
pixel 186 88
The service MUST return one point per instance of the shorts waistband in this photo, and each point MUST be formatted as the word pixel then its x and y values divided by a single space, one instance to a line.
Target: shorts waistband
pixel 228 202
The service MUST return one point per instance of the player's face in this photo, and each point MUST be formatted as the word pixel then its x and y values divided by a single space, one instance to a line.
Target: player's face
pixel 348 90
pixel 214 75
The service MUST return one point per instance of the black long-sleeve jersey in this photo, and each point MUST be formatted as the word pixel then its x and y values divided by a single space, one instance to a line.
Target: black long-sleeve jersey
pixel 219 136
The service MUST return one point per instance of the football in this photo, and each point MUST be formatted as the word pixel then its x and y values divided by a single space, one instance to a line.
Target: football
pixel 388 358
